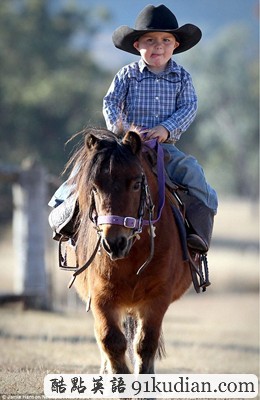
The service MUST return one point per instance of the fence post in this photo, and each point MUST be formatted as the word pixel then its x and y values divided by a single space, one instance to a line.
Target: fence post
pixel 29 234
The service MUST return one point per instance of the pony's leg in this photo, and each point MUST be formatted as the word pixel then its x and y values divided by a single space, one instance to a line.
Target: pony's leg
pixel 147 338
pixel 104 362
pixel 111 341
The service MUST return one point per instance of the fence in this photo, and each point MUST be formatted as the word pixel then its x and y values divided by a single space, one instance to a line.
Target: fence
pixel 29 188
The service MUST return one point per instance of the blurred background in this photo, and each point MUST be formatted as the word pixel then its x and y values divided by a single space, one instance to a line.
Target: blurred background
pixel 57 61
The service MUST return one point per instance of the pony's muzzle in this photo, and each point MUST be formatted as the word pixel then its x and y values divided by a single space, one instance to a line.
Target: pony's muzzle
pixel 117 246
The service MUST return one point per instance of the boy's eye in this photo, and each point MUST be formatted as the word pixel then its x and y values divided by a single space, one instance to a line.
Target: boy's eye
pixel 167 40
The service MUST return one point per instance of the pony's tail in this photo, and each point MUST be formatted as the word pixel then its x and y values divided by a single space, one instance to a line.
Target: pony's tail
pixel 161 352
pixel 130 328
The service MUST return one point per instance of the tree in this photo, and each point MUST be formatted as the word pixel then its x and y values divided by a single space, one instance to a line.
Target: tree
pixel 50 88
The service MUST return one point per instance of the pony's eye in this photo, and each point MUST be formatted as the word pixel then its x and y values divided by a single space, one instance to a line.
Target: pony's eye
pixel 137 186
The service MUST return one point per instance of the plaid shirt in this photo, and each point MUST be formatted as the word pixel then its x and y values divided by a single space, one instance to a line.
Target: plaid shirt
pixel 141 98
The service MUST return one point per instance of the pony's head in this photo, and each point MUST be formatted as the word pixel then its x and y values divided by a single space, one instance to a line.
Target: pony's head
pixel 109 184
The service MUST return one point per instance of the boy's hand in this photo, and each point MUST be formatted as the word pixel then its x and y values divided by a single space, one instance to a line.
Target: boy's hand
pixel 157 132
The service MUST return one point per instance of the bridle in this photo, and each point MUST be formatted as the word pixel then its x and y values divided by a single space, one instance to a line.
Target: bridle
pixel 136 224
pixel 145 199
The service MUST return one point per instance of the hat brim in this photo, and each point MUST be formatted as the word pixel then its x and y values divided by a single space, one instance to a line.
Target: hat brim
pixel 187 35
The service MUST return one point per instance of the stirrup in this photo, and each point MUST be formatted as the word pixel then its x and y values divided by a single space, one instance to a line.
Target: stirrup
pixel 199 270
pixel 63 255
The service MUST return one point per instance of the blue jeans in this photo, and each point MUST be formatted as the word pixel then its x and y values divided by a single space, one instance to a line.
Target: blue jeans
pixel 182 169
pixel 185 170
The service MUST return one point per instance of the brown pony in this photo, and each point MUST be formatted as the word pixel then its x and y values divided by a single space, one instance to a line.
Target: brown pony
pixel 116 191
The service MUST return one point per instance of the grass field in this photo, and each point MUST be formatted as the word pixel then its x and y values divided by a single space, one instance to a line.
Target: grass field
pixel 214 332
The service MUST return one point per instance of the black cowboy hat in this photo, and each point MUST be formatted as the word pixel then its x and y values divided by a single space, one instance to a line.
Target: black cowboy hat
pixel 156 19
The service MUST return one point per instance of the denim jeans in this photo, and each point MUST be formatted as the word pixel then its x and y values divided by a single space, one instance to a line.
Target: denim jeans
pixel 182 169
pixel 185 170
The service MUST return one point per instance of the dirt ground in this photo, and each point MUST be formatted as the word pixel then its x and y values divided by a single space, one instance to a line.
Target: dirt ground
pixel 205 333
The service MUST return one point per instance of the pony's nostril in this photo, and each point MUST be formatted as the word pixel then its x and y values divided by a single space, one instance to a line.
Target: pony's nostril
pixel 122 243
pixel 115 246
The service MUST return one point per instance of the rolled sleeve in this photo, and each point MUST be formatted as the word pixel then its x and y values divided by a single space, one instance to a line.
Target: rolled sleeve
pixel 113 103
pixel 186 109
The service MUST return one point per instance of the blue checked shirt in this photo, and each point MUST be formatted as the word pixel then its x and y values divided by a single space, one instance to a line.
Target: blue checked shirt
pixel 141 98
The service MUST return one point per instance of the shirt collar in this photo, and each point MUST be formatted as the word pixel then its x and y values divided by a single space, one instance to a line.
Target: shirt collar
pixel 171 67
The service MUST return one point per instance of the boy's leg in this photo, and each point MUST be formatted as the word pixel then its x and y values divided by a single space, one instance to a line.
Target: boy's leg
pixel 201 201
pixel 61 194
pixel 200 219
pixel 61 218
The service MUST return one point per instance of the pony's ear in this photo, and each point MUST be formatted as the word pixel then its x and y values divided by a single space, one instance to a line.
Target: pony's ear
pixel 92 141
pixel 133 140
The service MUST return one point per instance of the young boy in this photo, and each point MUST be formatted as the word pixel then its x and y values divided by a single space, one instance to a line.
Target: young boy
pixel 157 96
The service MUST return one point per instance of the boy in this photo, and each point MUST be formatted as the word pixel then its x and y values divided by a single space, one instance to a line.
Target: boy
pixel 157 96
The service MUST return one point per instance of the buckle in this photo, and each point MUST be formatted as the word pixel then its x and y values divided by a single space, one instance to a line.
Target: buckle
pixel 130 222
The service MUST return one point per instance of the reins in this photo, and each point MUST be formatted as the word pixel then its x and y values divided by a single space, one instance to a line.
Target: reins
pixel 86 265
pixel 78 270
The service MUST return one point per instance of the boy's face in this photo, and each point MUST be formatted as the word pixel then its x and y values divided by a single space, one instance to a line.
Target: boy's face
pixel 156 49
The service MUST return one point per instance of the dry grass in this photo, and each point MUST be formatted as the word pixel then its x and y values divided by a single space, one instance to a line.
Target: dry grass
pixel 203 334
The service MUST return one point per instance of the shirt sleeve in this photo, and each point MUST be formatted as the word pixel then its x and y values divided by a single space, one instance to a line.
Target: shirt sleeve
pixel 186 109
pixel 113 103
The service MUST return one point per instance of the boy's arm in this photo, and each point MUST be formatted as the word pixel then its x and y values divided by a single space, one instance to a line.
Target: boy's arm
pixel 186 109
pixel 113 104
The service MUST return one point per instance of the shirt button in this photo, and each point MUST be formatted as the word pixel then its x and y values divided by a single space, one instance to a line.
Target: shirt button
pixel 156 116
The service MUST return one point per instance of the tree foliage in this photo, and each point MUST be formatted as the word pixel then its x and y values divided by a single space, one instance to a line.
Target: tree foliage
pixel 49 87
